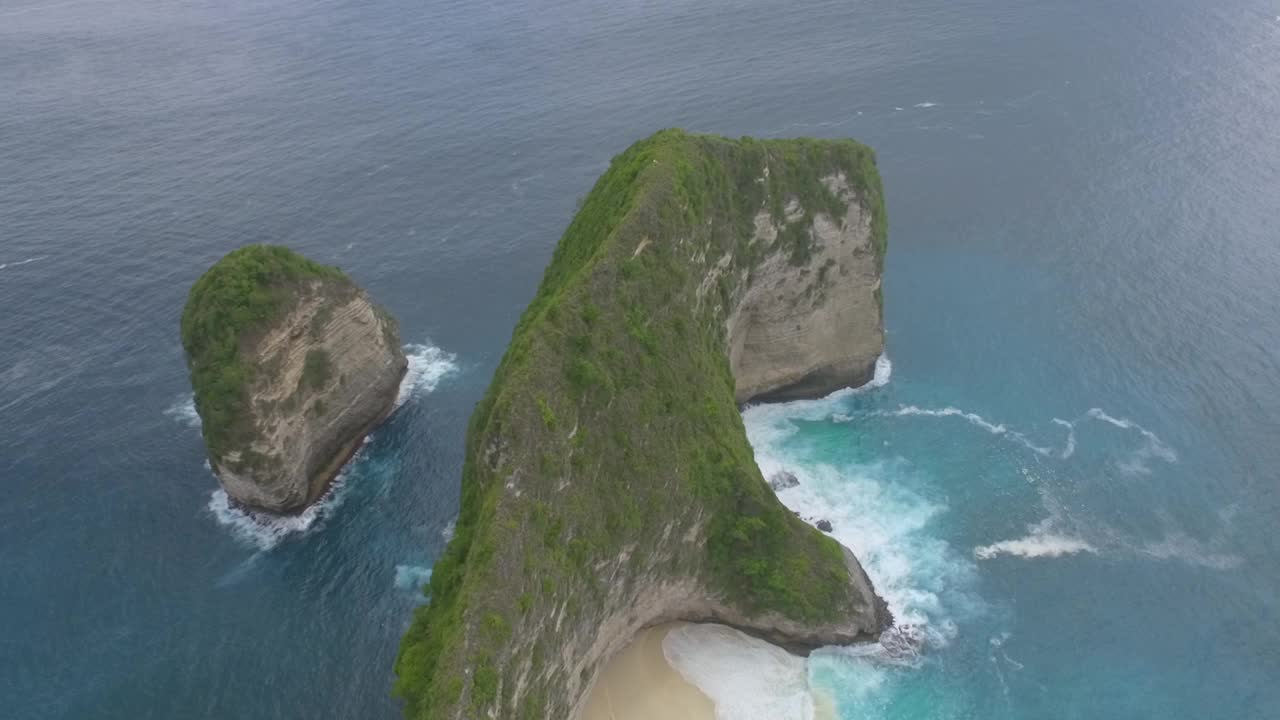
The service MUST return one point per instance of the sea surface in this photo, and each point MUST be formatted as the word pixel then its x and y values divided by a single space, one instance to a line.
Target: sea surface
pixel 1065 481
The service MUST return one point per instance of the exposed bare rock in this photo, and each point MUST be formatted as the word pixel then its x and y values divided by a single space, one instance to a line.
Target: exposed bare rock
pixel 782 480
pixel 802 330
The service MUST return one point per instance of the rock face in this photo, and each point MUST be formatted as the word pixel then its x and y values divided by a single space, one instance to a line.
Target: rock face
pixel 803 329
pixel 318 365
pixel 608 483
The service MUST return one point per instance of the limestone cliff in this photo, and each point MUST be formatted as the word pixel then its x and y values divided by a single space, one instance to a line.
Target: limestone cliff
pixel 608 482
pixel 292 366
pixel 803 327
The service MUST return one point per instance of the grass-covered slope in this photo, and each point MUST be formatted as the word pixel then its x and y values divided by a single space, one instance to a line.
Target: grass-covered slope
pixel 608 458
pixel 239 295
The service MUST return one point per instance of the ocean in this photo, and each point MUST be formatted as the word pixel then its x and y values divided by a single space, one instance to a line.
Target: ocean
pixel 1064 479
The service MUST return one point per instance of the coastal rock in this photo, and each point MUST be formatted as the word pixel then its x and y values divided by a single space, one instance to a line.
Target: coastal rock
pixel 825 526
pixel 806 323
pixel 782 480
pixel 292 365
pixel 609 484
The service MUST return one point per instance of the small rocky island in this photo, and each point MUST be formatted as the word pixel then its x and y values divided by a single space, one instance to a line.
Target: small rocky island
pixel 292 365
pixel 608 484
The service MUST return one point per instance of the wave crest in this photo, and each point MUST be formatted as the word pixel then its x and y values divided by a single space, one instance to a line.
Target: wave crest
pixel 428 365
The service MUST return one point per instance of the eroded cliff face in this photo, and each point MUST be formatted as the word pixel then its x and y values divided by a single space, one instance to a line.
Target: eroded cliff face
pixel 804 329
pixel 609 484
pixel 330 371
pixel 292 365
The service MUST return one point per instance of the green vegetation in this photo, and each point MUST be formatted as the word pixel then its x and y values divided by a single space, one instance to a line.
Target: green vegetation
pixel 240 295
pixel 613 413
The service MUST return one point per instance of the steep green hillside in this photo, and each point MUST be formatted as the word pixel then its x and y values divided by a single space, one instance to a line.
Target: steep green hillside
pixel 607 468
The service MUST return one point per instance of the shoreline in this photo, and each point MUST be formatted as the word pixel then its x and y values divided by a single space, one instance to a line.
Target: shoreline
pixel 639 684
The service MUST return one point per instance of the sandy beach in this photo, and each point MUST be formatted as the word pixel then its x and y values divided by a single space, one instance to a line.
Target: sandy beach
pixel 639 684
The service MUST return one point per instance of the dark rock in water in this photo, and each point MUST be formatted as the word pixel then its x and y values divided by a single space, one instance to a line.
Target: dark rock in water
pixel 782 480
pixel 824 525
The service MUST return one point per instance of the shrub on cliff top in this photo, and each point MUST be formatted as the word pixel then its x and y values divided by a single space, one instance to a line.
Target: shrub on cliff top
pixel 239 294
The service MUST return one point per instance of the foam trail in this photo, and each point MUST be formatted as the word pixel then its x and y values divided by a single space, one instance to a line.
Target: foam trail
pixel 1070 447
pixel 1154 448
pixel 428 365
pixel 240 571
pixel 28 261
pixel 1034 546
pixel 1180 546
pixel 412 577
pixel 746 678
pixel 926 104
pixel 976 420
pixel 183 410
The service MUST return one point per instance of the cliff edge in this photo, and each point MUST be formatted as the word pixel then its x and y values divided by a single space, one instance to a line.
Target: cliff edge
pixel 292 365
pixel 608 483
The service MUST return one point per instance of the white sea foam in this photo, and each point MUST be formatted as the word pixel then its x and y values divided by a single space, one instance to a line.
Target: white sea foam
pixel 926 104
pixel 1054 536
pixel 1035 545
pixel 746 678
pixel 973 419
pixel 428 365
pixel 1063 533
pixel 183 410
pixel 447 532
pixel 875 514
pixel 1070 448
pixel 28 261
pixel 925 582
pixel 1152 449
pixel 412 577
pixel 263 530
pixel 826 407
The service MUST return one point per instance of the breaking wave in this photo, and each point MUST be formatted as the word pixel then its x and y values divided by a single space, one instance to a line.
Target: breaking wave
pixel 263 530
pixel 183 410
pixel 428 365
pixel 875 513
pixel 746 678
pixel 412 577
pixel 1034 546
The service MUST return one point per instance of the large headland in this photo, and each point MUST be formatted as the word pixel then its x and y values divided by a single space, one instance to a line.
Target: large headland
pixel 608 484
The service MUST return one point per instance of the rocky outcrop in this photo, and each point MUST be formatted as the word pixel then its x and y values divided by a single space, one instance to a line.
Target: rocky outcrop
pixel 609 484
pixel 320 367
pixel 783 480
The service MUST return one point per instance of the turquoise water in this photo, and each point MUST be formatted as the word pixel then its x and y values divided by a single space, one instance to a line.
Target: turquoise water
pixel 1067 487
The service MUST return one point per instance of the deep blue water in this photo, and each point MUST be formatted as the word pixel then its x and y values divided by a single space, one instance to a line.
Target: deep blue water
pixel 1081 200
